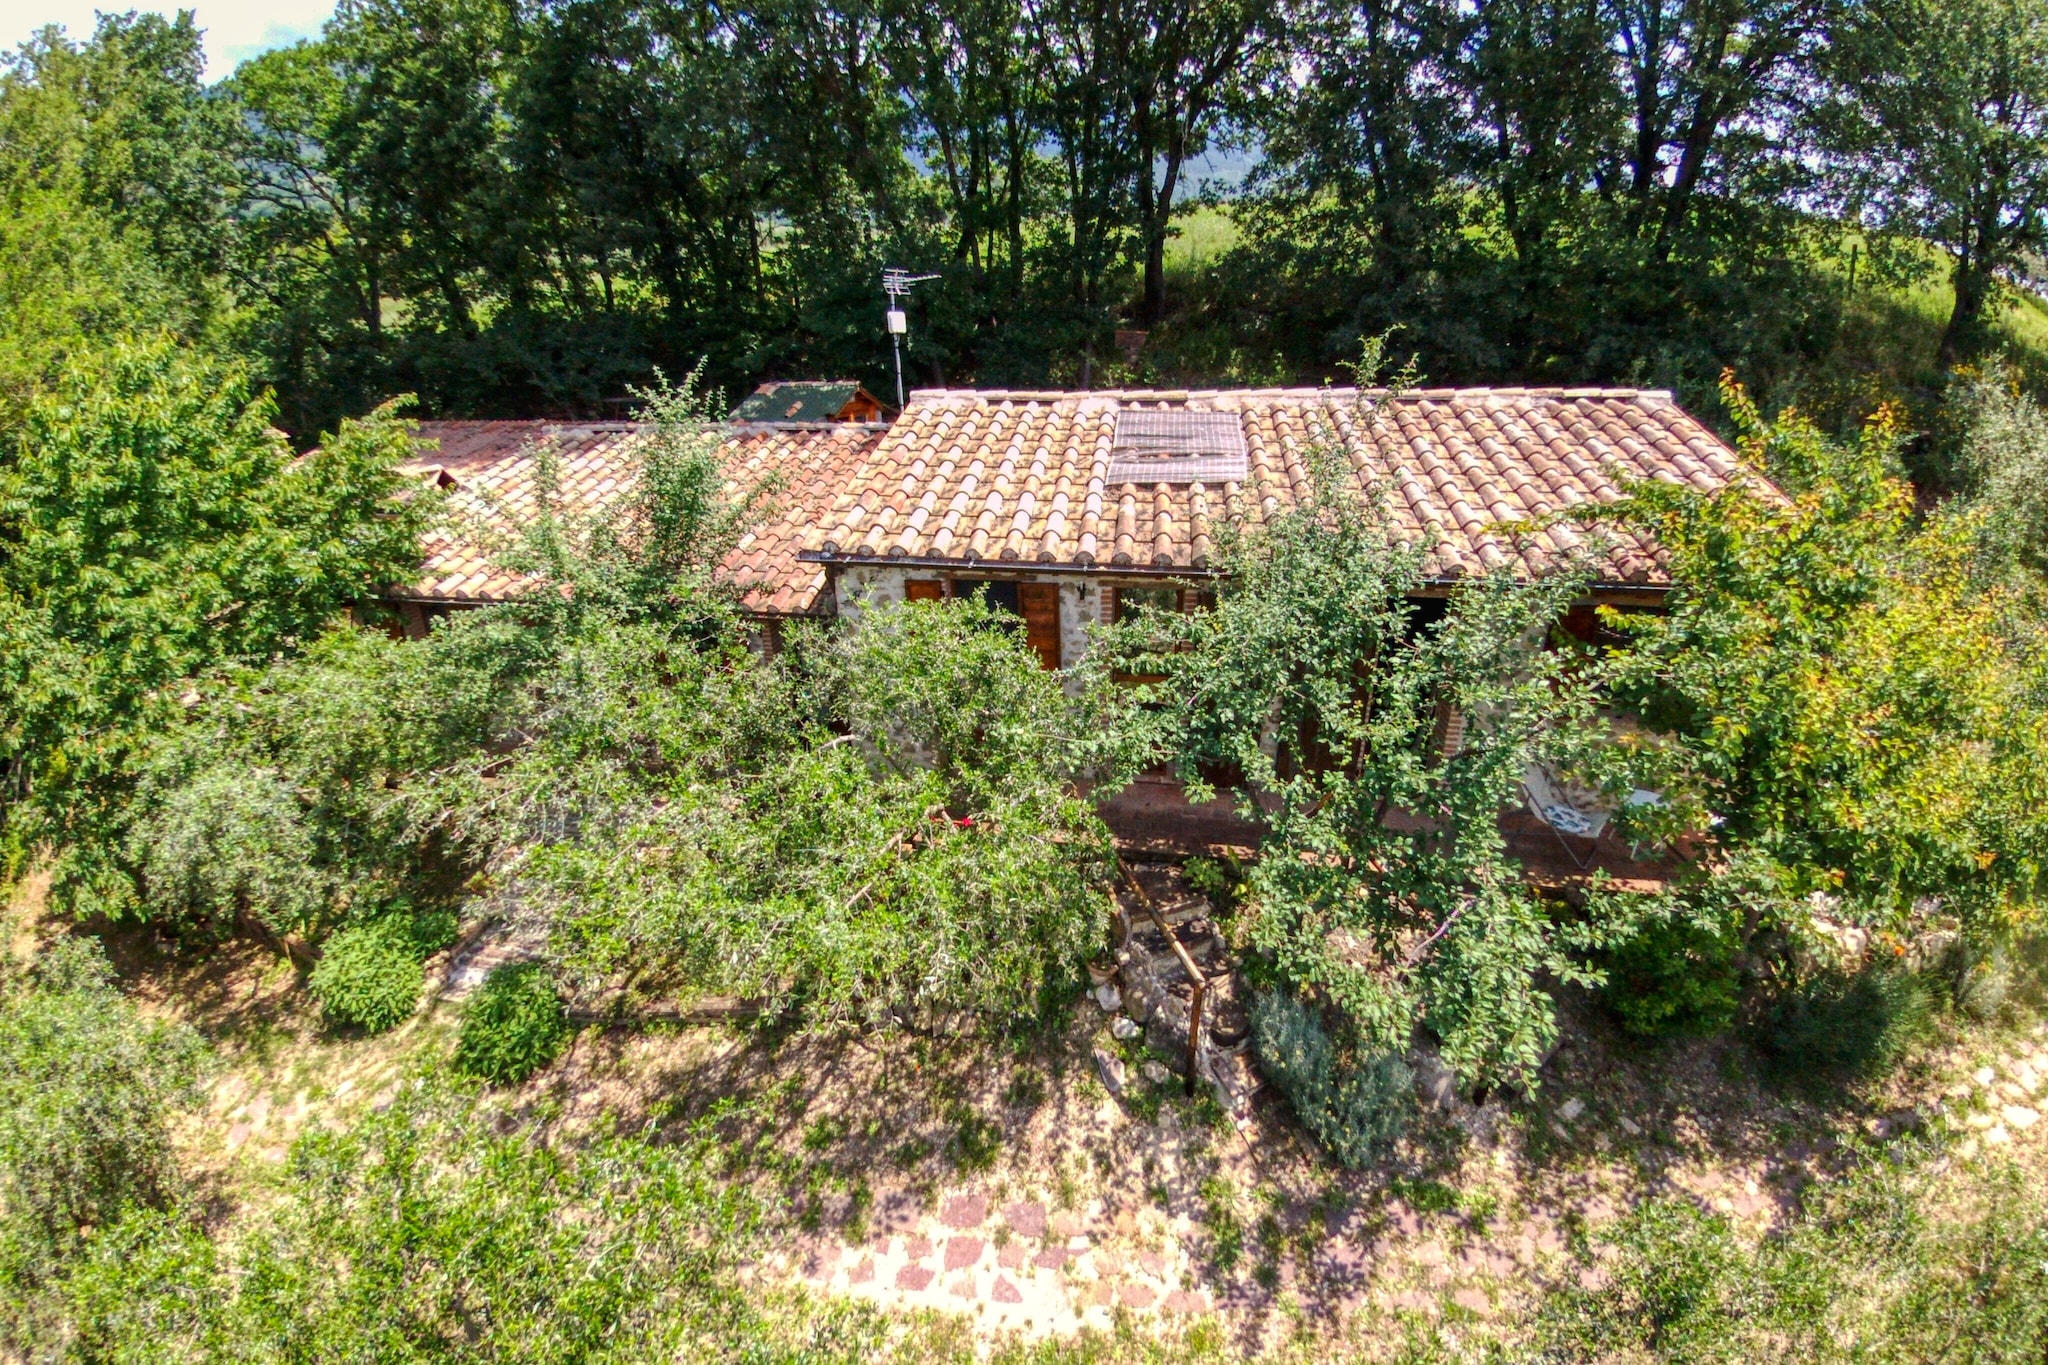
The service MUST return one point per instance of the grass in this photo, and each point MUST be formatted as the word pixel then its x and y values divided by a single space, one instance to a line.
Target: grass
pixel 1890 1246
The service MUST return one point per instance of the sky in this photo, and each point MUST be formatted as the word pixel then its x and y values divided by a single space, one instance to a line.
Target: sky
pixel 236 30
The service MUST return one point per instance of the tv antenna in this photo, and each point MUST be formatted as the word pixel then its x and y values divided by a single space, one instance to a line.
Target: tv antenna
pixel 896 285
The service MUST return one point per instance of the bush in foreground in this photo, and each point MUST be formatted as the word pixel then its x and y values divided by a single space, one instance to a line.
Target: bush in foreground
pixel 86 1089
pixel 515 1025
pixel 1357 1108
pixel 369 976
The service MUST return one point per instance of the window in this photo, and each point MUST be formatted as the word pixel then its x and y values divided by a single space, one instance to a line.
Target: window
pixel 1129 601
pixel 1038 604
pixel 1002 596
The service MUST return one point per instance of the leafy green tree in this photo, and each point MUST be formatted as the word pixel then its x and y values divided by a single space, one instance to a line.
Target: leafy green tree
pixel 156 526
pixel 1843 685
pixel 1384 885
pixel 875 824
pixel 1942 132
pixel 2004 459
pixel 114 172
pixel 442 1228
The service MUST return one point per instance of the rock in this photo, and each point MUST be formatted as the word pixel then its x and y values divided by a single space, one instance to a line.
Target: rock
pixel 1005 1292
pixel 1630 1126
pixel 1985 1076
pixel 1111 1069
pixel 914 1277
pixel 1026 1218
pixel 1156 1074
pixel 2020 1116
pixel 964 1211
pixel 962 1252
pixel 1124 1029
pixel 1167 1032
pixel 1108 997
pixel 1137 1296
pixel 1434 1081
pixel 1996 1137
pixel 1570 1110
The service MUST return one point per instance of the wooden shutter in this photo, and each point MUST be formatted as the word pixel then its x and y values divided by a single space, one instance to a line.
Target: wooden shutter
pixel 923 589
pixel 1039 605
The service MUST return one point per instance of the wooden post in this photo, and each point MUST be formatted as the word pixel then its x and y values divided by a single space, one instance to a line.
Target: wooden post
pixel 1199 982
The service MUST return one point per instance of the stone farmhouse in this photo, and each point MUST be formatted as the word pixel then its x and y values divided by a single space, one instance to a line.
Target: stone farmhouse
pixel 1066 507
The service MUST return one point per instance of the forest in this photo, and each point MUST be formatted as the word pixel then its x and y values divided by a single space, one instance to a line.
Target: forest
pixel 523 209
pixel 583 981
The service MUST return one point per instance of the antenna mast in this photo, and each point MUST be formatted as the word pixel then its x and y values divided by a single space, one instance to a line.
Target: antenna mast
pixel 896 284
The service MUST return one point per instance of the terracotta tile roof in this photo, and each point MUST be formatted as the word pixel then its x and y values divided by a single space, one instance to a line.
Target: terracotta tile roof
pixel 488 469
pixel 1023 476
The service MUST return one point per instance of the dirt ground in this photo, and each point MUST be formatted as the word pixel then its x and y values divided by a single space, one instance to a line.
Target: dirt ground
pixel 993 1175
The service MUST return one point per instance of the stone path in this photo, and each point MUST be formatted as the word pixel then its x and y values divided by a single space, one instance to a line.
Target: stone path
pixel 1020 1265
pixel 1999 1102
pixel 501 941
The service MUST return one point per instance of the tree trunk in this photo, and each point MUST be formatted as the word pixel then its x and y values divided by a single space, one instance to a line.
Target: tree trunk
pixel 1972 286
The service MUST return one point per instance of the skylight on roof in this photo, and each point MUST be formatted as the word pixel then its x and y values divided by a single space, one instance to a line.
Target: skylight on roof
pixel 1176 445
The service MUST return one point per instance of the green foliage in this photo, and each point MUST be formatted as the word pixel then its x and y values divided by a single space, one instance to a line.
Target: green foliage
pixel 877 821
pixel 1832 1025
pixel 1676 975
pixel 369 976
pixel 1221 880
pixel 112 183
pixel 158 528
pixel 1843 689
pixel 513 1026
pixel 1940 125
pixel 1890 1263
pixel 654 553
pixel 87 1089
pixel 2004 458
pixel 1384 882
pixel 439 1229
pixel 1357 1105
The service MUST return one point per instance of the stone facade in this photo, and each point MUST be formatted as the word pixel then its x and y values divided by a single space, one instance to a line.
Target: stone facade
pixel 1083 601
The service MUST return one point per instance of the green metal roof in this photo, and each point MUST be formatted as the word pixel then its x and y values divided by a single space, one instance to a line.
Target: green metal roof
pixel 797 400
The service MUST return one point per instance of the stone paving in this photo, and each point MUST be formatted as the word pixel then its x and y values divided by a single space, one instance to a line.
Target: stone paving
pixel 1999 1101
pixel 1024 1265
pixel 1020 1265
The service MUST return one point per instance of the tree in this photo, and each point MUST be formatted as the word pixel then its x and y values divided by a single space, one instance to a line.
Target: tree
pixel 1383 886
pixel 1843 686
pixel 114 176
pixel 1940 132
pixel 155 525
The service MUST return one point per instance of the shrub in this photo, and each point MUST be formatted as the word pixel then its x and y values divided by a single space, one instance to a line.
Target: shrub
pixel 515 1025
pixel 369 975
pixel 1674 977
pixel 440 1229
pixel 1355 1107
pixel 1833 1025
pixel 86 1087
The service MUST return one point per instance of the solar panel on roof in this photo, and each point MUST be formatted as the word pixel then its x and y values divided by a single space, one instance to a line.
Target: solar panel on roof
pixel 1177 445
